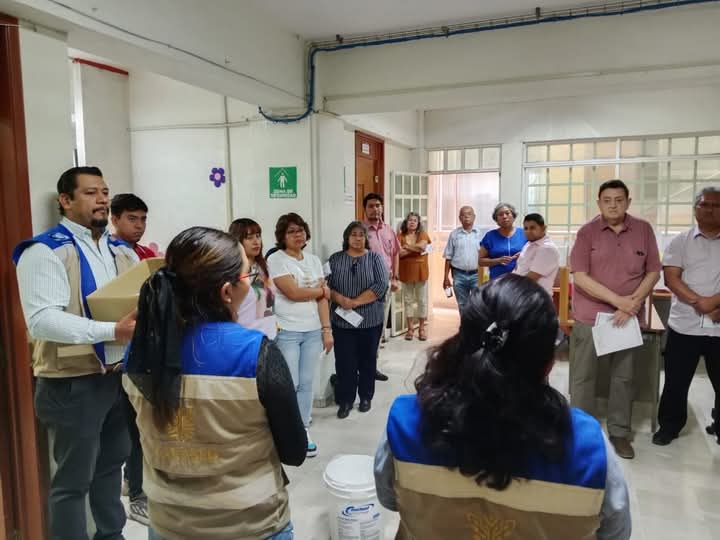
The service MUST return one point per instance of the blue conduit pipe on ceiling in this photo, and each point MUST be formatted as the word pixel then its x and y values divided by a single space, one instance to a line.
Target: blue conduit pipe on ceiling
pixel 449 33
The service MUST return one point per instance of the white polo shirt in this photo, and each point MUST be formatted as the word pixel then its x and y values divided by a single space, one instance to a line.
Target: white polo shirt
pixel 542 257
pixel 699 258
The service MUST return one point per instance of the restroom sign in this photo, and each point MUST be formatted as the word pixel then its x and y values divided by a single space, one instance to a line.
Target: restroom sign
pixel 283 182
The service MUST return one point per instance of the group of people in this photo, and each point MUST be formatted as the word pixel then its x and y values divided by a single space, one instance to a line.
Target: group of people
pixel 218 363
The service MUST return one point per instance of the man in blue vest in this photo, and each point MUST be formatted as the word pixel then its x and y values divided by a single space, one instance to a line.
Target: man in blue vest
pixel 76 359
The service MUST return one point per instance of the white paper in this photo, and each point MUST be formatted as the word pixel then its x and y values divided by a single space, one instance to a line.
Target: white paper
pixel 428 249
pixel 350 315
pixel 609 338
pixel 707 322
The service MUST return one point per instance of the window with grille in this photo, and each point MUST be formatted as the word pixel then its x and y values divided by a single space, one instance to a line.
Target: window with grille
pixel 464 176
pixel 561 180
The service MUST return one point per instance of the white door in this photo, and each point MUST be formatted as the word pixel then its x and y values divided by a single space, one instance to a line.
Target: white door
pixel 408 193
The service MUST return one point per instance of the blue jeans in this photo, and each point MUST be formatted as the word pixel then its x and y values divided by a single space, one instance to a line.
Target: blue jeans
pixel 463 283
pixel 301 350
pixel 286 534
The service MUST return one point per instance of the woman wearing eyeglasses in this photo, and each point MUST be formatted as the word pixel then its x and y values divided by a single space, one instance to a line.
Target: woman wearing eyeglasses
pixel 215 401
pixel 256 311
pixel 358 282
pixel 302 309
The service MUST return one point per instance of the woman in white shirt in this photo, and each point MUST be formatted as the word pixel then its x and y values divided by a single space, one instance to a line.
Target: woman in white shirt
pixel 256 310
pixel 301 308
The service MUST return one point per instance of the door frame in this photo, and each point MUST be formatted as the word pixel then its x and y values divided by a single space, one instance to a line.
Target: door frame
pixel 380 167
pixel 21 465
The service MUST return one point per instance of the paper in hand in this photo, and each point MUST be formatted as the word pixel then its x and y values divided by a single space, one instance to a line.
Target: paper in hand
pixel 350 315
pixel 609 338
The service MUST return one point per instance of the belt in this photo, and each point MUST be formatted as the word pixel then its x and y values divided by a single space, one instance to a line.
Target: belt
pixel 470 272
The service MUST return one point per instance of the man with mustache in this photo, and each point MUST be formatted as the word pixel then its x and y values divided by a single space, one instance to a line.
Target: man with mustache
pixel 76 359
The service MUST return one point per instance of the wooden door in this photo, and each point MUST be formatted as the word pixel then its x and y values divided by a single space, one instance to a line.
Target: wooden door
pixel 369 169
pixel 22 503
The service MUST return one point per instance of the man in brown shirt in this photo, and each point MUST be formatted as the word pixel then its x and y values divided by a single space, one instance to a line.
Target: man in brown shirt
pixel 615 265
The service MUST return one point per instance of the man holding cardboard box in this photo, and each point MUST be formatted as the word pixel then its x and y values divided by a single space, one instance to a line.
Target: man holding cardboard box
pixel 76 358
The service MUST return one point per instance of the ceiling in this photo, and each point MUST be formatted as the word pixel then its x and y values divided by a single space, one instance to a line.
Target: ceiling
pixel 319 19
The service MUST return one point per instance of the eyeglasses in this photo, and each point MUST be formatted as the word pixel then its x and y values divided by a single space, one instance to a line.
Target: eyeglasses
pixel 708 205
pixel 251 276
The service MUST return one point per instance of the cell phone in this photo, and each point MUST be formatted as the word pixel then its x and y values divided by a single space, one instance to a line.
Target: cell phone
pixel 449 292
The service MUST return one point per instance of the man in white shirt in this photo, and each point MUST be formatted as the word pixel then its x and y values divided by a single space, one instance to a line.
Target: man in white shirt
pixel 539 259
pixel 691 265
pixel 76 359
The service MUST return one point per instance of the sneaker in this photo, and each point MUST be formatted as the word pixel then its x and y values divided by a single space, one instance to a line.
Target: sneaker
pixel 139 510
pixel 312 448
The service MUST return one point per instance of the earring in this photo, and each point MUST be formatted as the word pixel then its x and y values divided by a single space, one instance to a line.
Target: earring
pixel 228 300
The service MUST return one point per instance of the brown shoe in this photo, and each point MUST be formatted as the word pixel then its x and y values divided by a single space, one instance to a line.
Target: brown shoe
pixel 622 447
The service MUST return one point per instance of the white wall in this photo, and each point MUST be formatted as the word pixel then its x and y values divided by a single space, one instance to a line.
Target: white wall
pixel 400 127
pixel 246 56
pixel 105 120
pixel 48 121
pixel 612 115
pixel 565 59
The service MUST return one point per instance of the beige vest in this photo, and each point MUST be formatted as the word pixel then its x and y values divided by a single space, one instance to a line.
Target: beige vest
pixel 435 502
pixel 52 359
pixel 215 473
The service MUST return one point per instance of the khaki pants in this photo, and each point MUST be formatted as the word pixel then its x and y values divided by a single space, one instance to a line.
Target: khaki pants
pixel 583 377
pixel 415 299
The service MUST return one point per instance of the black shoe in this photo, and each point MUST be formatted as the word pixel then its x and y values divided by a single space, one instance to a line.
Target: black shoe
pixel 663 438
pixel 364 405
pixel 344 410
pixel 380 376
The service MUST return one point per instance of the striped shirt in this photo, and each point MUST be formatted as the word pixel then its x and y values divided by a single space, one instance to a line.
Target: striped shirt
pixel 351 276
pixel 45 293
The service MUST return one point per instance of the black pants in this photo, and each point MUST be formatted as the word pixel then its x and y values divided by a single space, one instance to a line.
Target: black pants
pixel 134 463
pixel 682 354
pixel 355 362
pixel 89 442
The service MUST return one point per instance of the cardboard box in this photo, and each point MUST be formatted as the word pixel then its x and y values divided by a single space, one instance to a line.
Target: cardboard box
pixel 116 299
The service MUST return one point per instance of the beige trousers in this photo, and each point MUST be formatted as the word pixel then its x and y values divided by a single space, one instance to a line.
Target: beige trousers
pixel 415 299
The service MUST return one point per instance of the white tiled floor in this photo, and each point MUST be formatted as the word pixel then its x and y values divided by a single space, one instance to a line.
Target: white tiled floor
pixel 674 490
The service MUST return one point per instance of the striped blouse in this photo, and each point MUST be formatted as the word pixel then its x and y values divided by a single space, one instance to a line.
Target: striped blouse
pixel 351 276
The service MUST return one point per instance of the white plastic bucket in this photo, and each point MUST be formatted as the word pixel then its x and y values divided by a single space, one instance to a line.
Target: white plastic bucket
pixel 353 508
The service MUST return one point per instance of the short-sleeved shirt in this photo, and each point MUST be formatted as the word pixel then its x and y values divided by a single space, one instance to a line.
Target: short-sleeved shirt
pixel 351 276
pixel 414 268
pixel 462 249
pixel 619 261
pixel 307 272
pixel 256 309
pixel 542 257
pixel 499 245
pixel 384 242
pixel 699 257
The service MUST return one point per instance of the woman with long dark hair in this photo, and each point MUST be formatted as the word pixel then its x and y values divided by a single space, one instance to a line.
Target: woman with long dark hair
pixel 256 311
pixel 215 401
pixel 486 448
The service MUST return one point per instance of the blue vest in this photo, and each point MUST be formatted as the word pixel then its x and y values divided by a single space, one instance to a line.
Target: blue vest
pixel 584 464
pixel 223 349
pixel 58 237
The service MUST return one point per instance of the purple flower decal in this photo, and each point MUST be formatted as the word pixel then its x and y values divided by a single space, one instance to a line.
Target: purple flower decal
pixel 217 176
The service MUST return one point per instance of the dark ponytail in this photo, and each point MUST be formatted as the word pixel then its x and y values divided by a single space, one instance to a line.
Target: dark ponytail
pixel 186 292
pixel 484 401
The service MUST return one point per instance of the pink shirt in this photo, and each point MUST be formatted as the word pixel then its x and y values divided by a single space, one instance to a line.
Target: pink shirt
pixel 619 261
pixel 384 242
pixel 541 257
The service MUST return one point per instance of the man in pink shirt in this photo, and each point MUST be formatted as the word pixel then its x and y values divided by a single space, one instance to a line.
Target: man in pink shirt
pixel 615 265
pixel 384 242
pixel 539 259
